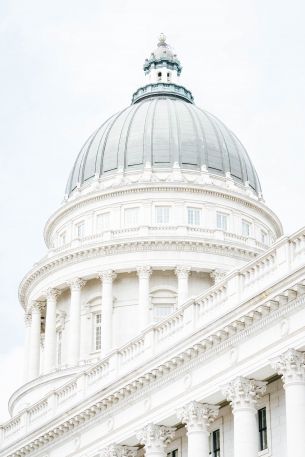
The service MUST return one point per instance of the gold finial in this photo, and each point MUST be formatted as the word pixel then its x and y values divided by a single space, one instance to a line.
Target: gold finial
pixel 162 39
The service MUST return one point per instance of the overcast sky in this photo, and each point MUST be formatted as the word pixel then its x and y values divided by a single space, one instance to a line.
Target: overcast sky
pixel 66 66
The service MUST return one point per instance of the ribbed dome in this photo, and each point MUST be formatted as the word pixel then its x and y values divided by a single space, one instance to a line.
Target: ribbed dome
pixel 162 130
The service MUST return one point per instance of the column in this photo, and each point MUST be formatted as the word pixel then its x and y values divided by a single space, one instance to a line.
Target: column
pixel 155 439
pixel 27 345
pixel 243 394
pixel 291 365
pixel 107 278
pixel 144 273
pixel 116 450
pixel 74 326
pixel 182 273
pixel 50 331
pixel 197 417
pixel 34 361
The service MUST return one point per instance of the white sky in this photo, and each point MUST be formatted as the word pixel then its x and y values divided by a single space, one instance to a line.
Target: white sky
pixel 67 65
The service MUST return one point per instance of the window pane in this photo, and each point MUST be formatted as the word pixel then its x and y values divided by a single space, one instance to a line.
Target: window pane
pixel 98 320
pixel 245 228
pixel 103 222
pixel 161 311
pixel 193 216
pixel 262 428
pixel 162 214
pixel 131 217
pixel 80 229
pixel 222 221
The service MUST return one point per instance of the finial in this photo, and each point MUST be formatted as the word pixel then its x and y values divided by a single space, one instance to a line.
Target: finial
pixel 162 40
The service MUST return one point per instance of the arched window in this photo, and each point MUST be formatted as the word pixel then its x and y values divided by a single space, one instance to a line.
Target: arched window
pixel 159 76
pixel 163 302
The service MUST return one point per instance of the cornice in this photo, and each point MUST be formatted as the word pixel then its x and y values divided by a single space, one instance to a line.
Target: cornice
pixel 215 340
pixel 189 187
pixel 77 255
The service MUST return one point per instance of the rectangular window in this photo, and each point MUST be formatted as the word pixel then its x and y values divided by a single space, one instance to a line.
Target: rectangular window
pixel 264 238
pixel 245 228
pixel 131 217
pixel 103 222
pixel 262 429
pixel 98 332
pixel 193 216
pixel 161 311
pixel 162 214
pixel 222 221
pixel 80 230
pixel 173 453
pixel 215 443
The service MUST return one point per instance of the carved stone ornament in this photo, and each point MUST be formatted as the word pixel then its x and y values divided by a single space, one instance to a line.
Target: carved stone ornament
pixel 144 271
pixel 76 284
pixel 291 365
pixel 27 319
pixel 197 416
pixel 182 271
pixel 107 276
pixel 217 275
pixel 52 293
pixel 37 306
pixel 115 450
pixel 155 437
pixel 244 393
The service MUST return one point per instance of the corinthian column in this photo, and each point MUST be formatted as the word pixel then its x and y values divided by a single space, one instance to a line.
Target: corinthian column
pixel 107 278
pixel 50 332
pixel 115 450
pixel 74 327
pixel 155 438
pixel 291 365
pixel 182 273
pixel 34 361
pixel 243 394
pixel 144 273
pixel 27 346
pixel 197 417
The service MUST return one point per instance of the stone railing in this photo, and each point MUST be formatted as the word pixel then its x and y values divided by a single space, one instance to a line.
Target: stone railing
pixel 153 230
pixel 285 258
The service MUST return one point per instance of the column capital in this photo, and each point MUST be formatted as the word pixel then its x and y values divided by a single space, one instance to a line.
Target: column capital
pixel 27 319
pixel 76 284
pixel 116 450
pixel 52 293
pixel 182 271
pixel 291 365
pixel 217 275
pixel 197 416
pixel 155 437
pixel 243 393
pixel 37 306
pixel 144 271
pixel 107 276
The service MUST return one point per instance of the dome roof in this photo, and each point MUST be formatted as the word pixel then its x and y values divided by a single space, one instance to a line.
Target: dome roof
pixel 162 130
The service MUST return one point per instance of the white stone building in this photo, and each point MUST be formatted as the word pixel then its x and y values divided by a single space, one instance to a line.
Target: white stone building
pixel 167 316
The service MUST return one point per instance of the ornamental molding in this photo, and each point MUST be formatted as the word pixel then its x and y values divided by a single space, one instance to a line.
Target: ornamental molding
pixel 37 307
pixel 182 271
pixel 190 187
pixel 218 275
pixel 144 271
pixel 27 319
pixel 179 364
pixel 155 437
pixel 52 293
pixel 243 393
pixel 115 450
pixel 291 365
pixel 85 253
pixel 76 284
pixel 197 416
pixel 107 276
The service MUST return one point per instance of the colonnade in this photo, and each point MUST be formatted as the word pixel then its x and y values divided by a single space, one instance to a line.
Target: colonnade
pixel 49 304
pixel 243 395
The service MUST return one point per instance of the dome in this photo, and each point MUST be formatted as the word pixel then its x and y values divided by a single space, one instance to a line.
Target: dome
pixel 162 131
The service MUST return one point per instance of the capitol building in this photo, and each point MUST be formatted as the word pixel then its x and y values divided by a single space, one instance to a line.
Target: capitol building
pixel 167 317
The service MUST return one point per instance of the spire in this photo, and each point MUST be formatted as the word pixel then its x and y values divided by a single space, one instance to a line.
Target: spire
pixel 162 74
